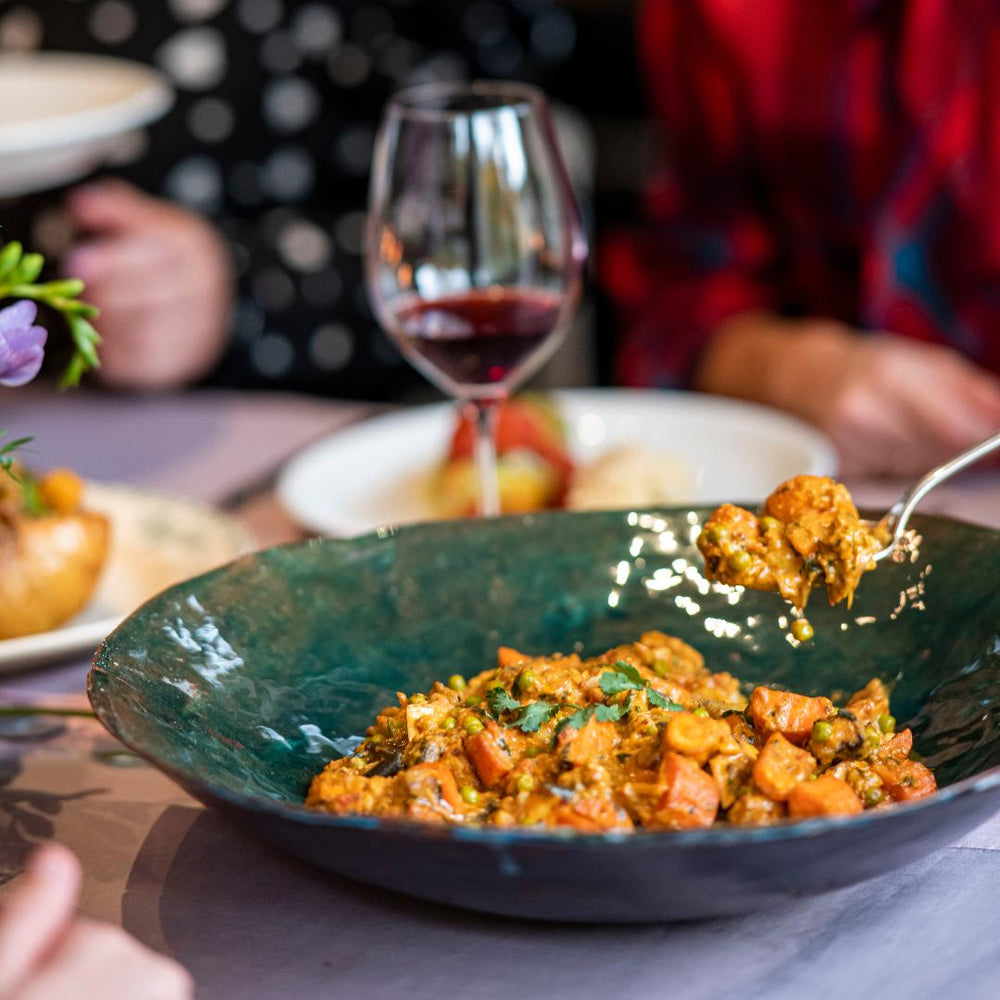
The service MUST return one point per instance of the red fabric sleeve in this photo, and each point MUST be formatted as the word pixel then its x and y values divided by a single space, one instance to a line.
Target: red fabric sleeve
pixel 706 252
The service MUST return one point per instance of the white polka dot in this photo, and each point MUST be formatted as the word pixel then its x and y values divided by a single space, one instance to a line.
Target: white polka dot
pixel 211 120
pixel 112 22
pixel 195 182
pixel 196 10
pixel 349 67
pixel 350 231
pixel 321 290
pixel 273 289
pixel 317 29
pixel 304 247
pixel 272 355
pixel 259 16
pixel 245 183
pixel 290 104
pixel 279 53
pixel 288 174
pixel 331 346
pixel 20 30
pixel 195 58
pixel 353 148
pixel 553 35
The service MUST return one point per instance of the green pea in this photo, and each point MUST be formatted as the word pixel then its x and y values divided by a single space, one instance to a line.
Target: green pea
pixel 469 794
pixel 376 738
pixel 768 524
pixel 740 560
pixel 874 796
pixel 457 682
pixel 358 763
pixel 532 752
pixel 525 782
pixel 802 630
pixel 872 736
pixel 527 681
pixel 714 533
pixel 886 722
pixel 417 698
pixel 472 725
pixel 701 712
pixel 448 723
pixel 822 731
pixel 661 668
pixel 473 700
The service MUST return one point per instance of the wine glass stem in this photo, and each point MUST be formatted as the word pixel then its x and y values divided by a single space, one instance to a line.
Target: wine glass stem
pixel 486 458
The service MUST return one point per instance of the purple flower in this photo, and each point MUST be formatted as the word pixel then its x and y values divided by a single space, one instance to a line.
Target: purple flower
pixel 22 346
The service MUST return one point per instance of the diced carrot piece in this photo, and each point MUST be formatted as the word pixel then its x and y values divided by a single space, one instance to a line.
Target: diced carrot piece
pixel 899 746
pixel 905 779
pixel 694 736
pixel 589 744
pixel 590 815
pixel 790 714
pixel 826 796
pixel 780 767
pixel 508 657
pixel 691 798
pixel 869 703
pixel 488 756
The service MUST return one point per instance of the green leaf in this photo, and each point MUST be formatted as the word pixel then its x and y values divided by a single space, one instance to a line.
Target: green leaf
pixel 500 701
pixel 30 268
pixel 533 715
pixel 622 677
pixel 658 701
pixel 9 258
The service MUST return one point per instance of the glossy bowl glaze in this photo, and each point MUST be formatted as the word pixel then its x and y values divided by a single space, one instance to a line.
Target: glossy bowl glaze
pixel 242 683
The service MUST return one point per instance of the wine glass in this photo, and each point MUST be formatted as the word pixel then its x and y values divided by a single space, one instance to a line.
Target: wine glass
pixel 475 250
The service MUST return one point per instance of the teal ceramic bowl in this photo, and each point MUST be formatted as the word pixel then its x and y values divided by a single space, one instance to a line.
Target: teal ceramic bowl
pixel 242 683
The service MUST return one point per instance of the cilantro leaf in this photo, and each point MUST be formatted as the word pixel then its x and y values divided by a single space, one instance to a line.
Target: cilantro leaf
pixel 622 677
pixel 603 713
pixel 532 715
pixel 500 701
pixel 656 700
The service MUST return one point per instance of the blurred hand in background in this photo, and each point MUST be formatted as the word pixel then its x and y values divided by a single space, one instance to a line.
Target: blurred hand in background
pixel 892 405
pixel 47 953
pixel 160 276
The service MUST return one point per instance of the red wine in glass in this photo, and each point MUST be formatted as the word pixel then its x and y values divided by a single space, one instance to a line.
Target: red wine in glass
pixel 478 338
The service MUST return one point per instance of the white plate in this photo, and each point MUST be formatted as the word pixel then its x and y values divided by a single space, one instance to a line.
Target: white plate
pixel 61 114
pixel 156 540
pixel 372 474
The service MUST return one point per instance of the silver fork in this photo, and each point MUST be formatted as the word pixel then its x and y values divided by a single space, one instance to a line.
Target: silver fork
pixel 896 520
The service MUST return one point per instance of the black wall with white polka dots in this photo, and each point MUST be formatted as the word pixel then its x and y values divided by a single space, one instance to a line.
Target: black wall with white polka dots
pixel 271 137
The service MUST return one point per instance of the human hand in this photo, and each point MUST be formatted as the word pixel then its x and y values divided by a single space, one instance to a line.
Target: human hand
pixel 46 953
pixel 160 276
pixel 892 406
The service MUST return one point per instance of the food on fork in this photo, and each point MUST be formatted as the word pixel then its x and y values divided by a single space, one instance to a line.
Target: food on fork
pixel 641 737
pixel 51 551
pixel 809 533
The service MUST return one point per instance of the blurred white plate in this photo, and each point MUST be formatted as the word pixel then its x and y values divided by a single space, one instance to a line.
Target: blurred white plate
pixel 156 540
pixel 61 114
pixel 374 473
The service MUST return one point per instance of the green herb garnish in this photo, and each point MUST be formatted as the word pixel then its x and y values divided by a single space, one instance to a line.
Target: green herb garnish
pixel 533 715
pixel 621 677
pixel 658 701
pixel 500 701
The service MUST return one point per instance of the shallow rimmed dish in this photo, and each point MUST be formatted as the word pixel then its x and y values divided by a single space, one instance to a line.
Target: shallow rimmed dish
pixel 156 540
pixel 379 471
pixel 240 684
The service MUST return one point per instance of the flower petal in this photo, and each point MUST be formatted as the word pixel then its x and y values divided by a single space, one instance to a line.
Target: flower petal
pixel 22 346
pixel 20 315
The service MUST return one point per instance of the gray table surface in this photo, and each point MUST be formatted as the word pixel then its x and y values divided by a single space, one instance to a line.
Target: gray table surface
pixel 250 922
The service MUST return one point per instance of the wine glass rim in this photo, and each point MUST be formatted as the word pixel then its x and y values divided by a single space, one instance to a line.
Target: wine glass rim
pixel 423 101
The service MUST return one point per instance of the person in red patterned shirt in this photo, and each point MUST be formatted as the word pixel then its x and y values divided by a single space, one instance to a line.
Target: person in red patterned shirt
pixel 826 236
